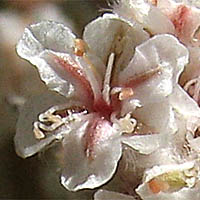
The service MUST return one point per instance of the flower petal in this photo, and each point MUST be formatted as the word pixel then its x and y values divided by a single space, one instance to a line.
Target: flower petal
pixel 155 68
pixel 192 70
pixel 110 34
pixel 183 103
pixel 169 182
pixel 90 165
pixel 144 144
pixel 187 107
pixel 51 47
pixel 157 117
pixel 185 18
pixel 26 143
pixel 41 36
pixel 149 17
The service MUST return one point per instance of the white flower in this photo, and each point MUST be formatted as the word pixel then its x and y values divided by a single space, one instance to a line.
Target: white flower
pixel 111 85
pixel 121 99
pixel 175 181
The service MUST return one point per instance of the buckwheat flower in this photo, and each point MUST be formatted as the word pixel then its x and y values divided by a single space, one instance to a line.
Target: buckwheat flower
pixel 185 18
pixel 180 18
pixel 170 182
pixel 163 181
pixel 144 14
pixel 171 172
pixel 117 84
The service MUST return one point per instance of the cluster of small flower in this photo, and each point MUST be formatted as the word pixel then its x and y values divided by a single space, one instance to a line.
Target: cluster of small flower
pixel 131 88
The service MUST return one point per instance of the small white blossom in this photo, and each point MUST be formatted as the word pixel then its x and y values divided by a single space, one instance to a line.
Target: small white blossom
pixel 121 97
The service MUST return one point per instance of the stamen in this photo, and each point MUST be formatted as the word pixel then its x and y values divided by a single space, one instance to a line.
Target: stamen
pixel 126 124
pixel 124 93
pixel 39 126
pixel 37 132
pixel 106 85
pixel 116 90
pixel 50 120
pixel 80 47
pixel 52 127
pixel 49 117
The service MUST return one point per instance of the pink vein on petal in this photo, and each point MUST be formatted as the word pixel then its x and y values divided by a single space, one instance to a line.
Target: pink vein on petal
pixel 75 71
pixel 99 130
pixel 179 18
pixel 141 78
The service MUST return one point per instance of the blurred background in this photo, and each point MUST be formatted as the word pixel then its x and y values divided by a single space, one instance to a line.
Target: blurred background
pixel 35 177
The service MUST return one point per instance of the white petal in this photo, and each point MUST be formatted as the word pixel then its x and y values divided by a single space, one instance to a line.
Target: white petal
pixel 108 195
pixel 109 34
pixel 159 170
pixel 192 70
pixel 70 69
pixel 187 107
pixel 51 47
pixel 181 194
pixel 148 16
pixel 156 123
pixel 144 144
pixel 155 68
pixel 185 19
pixel 46 35
pixel 25 143
pixel 81 171
pixel 183 103
pixel 157 117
